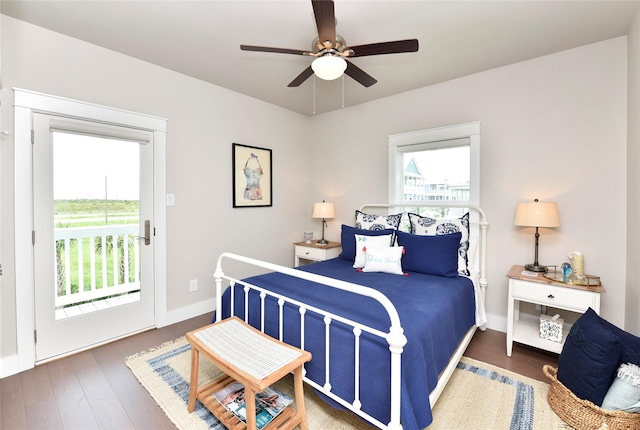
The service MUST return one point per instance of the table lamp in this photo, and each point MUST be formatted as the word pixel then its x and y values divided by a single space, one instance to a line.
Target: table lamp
pixel 323 210
pixel 537 214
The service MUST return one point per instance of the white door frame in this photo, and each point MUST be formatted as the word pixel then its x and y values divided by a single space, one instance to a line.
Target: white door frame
pixel 25 103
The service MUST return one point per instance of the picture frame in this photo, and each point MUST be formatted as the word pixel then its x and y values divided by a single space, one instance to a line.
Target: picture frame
pixel 252 171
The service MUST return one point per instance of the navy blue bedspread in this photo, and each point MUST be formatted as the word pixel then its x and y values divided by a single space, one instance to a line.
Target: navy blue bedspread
pixel 435 313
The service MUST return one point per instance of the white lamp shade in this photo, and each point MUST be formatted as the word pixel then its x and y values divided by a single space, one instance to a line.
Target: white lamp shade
pixel 323 210
pixel 329 67
pixel 537 214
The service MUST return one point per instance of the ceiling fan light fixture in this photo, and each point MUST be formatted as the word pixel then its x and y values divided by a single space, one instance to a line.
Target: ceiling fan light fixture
pixel 329 67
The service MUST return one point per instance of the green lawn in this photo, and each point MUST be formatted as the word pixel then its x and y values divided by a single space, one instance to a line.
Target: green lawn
pixel 88 207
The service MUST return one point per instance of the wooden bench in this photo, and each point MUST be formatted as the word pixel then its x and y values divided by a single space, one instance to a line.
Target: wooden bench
pixel 252 358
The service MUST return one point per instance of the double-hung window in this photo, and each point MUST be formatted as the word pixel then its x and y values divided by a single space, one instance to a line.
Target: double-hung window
pixel 440 164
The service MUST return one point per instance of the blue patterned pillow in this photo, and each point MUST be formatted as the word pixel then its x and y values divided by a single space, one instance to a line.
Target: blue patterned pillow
pixel 426 226
pixel 377 222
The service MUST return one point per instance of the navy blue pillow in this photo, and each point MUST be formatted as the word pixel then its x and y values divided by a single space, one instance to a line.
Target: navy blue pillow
pixel 630 344
pixel 348 239
pixel 433 255
pixel 589 358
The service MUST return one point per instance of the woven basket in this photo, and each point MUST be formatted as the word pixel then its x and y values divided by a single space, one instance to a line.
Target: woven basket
pixel 583 414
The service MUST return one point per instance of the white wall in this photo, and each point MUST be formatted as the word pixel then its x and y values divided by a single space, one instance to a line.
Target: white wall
pixel 203 122
pixel 632 320
pixel 553 128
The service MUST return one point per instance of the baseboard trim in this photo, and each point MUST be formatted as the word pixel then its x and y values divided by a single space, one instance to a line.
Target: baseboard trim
pixel 497 323
pixel 9 366
pixel 186 312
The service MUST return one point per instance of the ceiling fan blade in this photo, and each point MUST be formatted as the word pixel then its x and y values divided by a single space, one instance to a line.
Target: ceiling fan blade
pixel 301 77
pixel 396 47
pixel 325 20
pixel 359 75
pixel 273 50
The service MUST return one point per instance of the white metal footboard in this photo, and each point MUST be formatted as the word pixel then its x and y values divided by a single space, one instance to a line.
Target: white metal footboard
pixel 395 336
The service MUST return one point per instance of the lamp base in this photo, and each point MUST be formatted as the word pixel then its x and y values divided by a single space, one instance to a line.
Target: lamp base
pixel 322 242
pixel 535 268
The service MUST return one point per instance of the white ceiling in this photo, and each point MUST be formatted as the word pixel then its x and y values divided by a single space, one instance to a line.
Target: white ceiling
pixel 202 39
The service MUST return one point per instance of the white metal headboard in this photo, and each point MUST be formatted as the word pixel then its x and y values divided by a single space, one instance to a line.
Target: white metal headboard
pixel 482 223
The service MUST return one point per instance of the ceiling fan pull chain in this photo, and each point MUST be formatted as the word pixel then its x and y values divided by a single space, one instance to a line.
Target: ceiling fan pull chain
pixel 314 94
pixel 343 91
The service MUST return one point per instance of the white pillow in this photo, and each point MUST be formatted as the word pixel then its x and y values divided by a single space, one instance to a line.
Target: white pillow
pixel 387 260
pixel 472 264
pixel 366 242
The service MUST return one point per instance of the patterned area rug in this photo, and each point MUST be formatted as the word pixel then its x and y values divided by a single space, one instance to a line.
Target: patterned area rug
pixel 494 398
pixel 478 396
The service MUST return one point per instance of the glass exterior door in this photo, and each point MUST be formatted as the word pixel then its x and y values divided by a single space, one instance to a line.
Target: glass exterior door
pixel 93 217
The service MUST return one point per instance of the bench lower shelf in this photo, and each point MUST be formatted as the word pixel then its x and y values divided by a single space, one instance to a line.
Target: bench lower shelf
pixel 285 420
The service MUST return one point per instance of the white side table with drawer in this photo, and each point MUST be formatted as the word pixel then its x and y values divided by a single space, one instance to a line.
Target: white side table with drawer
pixel 313 252
pixel 545 292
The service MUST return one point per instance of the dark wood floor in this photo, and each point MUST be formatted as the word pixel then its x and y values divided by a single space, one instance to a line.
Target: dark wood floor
pixel 96 390
pixel 490 346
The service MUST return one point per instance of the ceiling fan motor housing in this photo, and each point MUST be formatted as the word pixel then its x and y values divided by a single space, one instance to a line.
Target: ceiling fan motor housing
pixel 321 48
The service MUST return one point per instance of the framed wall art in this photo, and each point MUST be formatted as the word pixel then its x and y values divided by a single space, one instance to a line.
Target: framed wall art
pixel 252 176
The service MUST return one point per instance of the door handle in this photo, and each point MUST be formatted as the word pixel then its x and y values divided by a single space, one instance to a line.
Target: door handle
pixel 147 232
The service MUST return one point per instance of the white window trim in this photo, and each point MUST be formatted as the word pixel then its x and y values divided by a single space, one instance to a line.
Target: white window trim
pixel 25 104
pixel 399 143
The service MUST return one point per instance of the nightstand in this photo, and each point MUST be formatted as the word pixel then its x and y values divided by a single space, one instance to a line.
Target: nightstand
pixel 535 288
pixel 309 252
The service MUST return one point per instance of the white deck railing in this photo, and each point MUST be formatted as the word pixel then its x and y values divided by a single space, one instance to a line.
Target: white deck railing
pixel 109 256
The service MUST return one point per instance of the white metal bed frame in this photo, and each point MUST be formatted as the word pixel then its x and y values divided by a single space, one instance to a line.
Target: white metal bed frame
pixel 395 336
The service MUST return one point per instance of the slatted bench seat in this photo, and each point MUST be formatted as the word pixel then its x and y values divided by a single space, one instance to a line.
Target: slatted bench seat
pixel 252 358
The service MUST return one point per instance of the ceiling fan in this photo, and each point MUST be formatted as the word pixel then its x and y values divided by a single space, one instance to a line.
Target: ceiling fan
pixel 331 51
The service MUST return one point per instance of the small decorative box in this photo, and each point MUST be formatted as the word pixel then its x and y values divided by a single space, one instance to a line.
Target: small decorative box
pixel 551 327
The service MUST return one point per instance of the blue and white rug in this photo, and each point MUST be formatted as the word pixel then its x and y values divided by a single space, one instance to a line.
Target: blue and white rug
pixel 493 398
pixel 478 396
